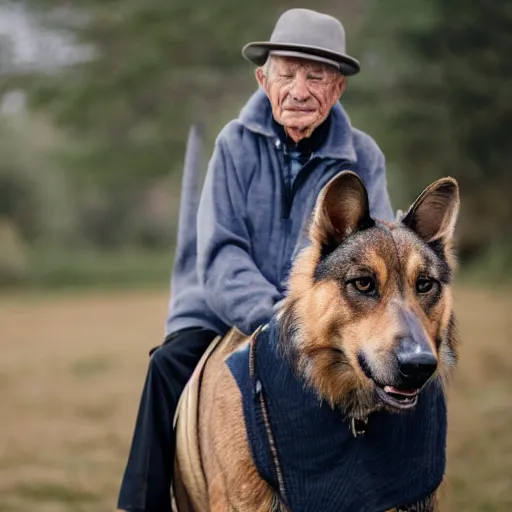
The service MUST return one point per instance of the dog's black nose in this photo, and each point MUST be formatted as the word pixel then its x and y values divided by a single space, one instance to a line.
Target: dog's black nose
pixel 416 363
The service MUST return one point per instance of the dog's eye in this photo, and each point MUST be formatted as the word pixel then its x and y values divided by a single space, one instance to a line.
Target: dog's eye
pixel 364 284
pixel 424 284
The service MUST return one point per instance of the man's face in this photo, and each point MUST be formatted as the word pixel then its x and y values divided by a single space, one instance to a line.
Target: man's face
pixel 302 92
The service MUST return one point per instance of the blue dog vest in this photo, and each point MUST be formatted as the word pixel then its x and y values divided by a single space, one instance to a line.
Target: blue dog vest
pixel 399 461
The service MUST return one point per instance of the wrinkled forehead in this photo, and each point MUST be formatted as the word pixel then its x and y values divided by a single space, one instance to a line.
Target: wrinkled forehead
pixel 386 252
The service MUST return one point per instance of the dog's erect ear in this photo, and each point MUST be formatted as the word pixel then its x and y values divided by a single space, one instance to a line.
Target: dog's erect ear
pixel 434 214
pixel 341 208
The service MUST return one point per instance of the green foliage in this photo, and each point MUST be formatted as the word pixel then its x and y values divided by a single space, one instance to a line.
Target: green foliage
pixel 83 268
pixel 103 166
pixel 159 66
pixel 34 192
pixel 444 104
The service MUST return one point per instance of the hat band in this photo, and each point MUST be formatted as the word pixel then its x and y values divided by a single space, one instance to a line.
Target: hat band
pixel 304 55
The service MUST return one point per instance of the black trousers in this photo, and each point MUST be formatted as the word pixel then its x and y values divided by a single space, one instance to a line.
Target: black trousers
pixel 147 478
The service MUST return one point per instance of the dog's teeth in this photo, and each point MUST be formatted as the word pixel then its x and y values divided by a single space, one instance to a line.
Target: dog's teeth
pixel 392 390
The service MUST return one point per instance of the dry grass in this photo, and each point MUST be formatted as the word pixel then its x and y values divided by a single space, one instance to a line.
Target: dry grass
pixel 71 371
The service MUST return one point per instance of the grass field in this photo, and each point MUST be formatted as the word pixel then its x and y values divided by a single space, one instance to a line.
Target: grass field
pixel 72 367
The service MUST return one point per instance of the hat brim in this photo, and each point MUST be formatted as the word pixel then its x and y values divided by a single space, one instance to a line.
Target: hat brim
pixel 257 53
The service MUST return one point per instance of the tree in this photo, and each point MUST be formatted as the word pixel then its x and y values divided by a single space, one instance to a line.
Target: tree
pixel 158 66
pixel 443 77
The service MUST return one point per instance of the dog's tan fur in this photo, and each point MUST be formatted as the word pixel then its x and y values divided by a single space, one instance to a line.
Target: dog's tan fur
pixel 233 480
pixel 326 324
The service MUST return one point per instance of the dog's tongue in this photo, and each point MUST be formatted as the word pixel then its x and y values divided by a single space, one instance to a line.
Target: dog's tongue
pixel 404 392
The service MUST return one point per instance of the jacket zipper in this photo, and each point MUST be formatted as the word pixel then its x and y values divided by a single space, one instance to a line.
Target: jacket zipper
pixel 289 192
pixel 285 212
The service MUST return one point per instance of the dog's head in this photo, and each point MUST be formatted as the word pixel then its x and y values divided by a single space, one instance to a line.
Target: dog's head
pixel 368 318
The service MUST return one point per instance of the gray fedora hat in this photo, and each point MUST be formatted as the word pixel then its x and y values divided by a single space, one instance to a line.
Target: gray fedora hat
pixel 305 34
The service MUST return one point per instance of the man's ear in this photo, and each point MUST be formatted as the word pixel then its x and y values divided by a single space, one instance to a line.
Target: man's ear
pixel 342 86
pixel 260 76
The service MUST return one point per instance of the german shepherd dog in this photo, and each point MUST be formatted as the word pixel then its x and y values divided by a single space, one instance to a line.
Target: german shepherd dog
pixel 367 326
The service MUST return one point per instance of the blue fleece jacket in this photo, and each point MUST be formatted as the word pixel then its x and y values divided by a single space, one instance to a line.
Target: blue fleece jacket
pixel 187 305
pixel 251 219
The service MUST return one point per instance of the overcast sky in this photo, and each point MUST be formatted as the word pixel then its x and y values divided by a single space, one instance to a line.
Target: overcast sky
pixel 27 45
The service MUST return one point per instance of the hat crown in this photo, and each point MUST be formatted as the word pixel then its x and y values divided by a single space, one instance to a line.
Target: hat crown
pixel 309 28
pixel 306 34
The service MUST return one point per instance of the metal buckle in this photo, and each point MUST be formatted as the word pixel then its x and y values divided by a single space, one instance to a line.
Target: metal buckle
pixel 358 427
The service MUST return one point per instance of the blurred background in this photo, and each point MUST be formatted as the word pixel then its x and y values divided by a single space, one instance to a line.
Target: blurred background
pixel 96 99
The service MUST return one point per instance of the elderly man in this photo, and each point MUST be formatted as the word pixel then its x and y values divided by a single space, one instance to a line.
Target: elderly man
pixel 267 169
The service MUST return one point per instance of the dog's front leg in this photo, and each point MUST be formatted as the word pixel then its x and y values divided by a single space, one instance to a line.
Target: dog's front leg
pixel 221 501
pixel 218 496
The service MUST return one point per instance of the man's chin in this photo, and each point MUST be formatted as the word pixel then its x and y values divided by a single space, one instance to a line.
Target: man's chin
pixel 299 121
pixel 300 130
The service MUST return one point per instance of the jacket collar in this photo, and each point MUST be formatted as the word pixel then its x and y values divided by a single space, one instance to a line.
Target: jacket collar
pixel 256 116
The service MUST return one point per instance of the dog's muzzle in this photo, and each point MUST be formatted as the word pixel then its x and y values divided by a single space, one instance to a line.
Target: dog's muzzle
pixel 414 364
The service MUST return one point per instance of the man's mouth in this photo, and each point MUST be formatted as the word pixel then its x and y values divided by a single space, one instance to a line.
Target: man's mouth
pixel 300 109
pixel 398 398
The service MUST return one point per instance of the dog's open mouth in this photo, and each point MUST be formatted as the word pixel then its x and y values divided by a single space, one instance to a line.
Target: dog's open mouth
pixel 398 398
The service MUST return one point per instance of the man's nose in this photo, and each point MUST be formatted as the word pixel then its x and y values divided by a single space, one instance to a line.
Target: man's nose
pixel 300 91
